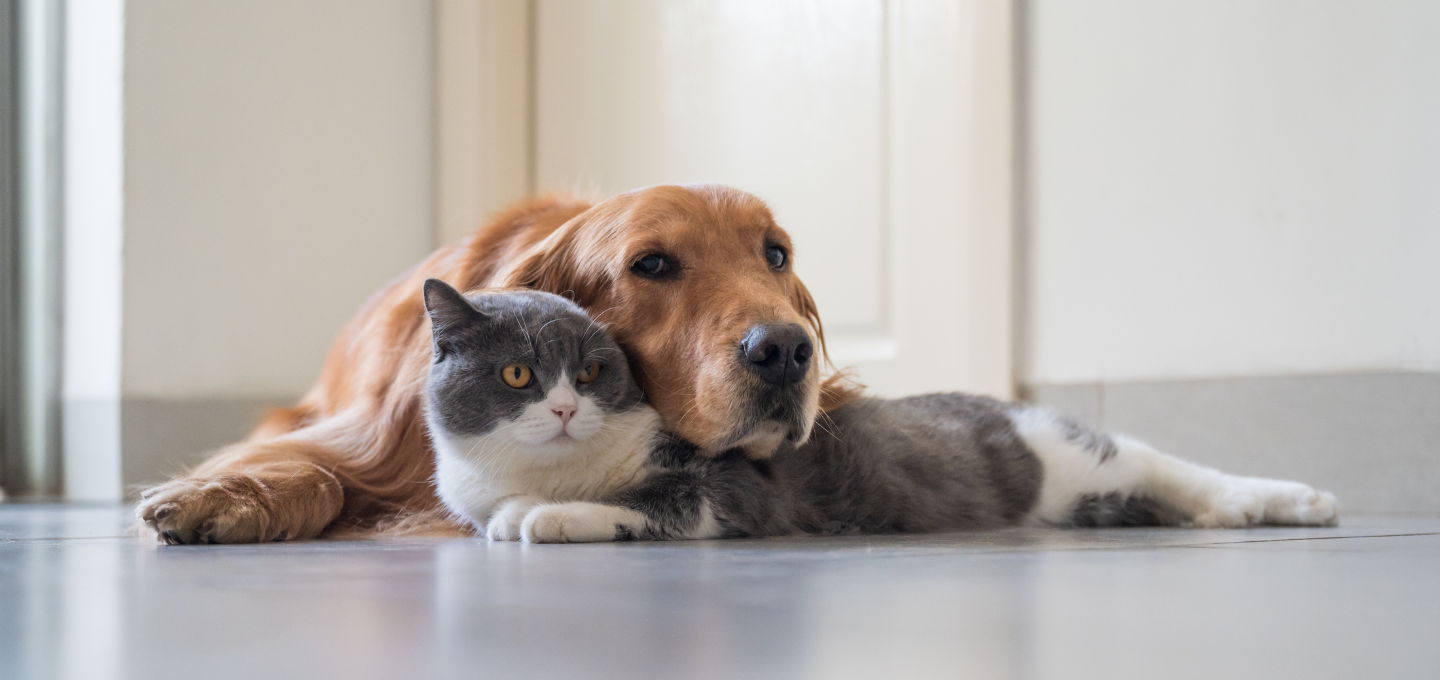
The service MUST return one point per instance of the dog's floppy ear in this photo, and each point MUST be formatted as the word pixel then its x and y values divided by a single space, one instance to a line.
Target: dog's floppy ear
pixel 804 304
pixel 840 387
pixel 559 264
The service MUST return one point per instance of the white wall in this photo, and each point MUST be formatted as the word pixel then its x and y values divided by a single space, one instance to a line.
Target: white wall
pixel 1228 188
pixel 94 247
pixel 777 98
pixel 877 132
pixel 278 172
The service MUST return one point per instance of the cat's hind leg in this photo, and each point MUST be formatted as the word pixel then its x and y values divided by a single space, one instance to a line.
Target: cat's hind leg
pixel 1094 479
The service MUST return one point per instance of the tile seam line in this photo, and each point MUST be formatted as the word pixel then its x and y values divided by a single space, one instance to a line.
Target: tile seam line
pixel 1306 538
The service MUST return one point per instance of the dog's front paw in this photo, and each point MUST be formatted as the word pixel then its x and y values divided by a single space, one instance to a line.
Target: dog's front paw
pixel 504 525
pixel 1247 501
pixel 580 523
pixel 223 509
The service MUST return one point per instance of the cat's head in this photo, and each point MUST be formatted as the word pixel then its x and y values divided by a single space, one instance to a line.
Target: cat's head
pixel 528 367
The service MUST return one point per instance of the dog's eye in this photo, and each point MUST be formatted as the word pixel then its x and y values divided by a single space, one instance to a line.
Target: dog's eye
pixel 776 256
pixel 653 266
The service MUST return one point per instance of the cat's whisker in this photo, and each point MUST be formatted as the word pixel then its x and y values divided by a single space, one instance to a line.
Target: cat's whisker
pixel 595 324
pixel 528 340
pixel 547 324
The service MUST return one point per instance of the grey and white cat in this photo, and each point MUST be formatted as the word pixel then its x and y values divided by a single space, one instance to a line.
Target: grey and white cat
pixel 528 401
pixel 511 463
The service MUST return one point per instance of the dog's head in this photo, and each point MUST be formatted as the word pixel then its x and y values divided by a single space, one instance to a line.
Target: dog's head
pixel 698 285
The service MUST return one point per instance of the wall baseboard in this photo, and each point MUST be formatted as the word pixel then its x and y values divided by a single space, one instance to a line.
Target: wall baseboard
pixel 163 437
pixel 1371 438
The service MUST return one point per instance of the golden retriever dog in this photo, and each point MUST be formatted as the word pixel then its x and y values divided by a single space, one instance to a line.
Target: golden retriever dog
pixel 695 282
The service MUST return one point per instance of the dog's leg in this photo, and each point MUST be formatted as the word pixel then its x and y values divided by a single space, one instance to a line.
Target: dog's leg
pixel 265 491
pixel 1093 479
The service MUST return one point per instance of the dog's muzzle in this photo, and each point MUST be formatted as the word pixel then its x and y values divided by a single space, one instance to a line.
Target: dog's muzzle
pixel 778 353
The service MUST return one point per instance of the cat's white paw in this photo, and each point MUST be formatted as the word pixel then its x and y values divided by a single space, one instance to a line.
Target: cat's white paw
pixel 1302 505
pixel 504 524
pixel 1246 501
pixel 580 523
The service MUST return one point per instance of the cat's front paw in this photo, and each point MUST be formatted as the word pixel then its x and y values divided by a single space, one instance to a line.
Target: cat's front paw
pixel 1246 501
pixel 504 525
pixel 580 523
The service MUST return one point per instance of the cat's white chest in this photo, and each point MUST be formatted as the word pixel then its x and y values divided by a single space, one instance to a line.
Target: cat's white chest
pixel 473 474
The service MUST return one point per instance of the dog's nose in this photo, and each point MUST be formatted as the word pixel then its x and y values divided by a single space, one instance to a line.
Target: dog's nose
pixel 778 353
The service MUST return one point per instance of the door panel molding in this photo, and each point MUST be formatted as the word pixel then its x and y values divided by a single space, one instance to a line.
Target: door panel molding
pixel 903 107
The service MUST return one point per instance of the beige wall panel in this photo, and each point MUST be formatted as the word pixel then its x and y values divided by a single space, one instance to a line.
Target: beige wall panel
pixel 482 145
pixel 783 99
pixel 1230 188
pixel 857 121
pixel 278 164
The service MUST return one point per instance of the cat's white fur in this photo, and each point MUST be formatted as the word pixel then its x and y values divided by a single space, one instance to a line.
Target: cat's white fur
pixel 494 480
pixel 1212 498
pixel 583 522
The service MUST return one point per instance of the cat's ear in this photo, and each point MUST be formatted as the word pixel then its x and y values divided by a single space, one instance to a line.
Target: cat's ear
pixel 448 309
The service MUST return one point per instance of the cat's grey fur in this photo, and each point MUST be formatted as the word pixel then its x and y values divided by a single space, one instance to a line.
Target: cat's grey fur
pixel 473 338
pixel 937 462
pixel 502 449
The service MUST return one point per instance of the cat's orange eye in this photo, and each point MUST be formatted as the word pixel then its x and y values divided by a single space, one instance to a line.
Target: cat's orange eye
pixel 589 373
pixel 516 375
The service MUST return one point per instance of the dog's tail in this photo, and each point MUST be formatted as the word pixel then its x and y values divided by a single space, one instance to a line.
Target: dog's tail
pixel 428 523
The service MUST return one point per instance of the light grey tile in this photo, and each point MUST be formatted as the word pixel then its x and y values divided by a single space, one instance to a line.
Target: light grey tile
pixel 1357 601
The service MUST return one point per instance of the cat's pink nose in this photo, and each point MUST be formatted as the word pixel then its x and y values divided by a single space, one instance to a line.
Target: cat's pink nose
pixel 564 411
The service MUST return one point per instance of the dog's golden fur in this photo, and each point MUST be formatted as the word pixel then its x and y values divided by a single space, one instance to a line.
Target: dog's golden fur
pixel 355 451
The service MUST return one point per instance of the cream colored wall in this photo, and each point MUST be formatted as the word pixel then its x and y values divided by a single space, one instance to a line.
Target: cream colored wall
pixel 1222 189
pixel 878 133
pixel 482 116
pixel 278 171
pixel 93 235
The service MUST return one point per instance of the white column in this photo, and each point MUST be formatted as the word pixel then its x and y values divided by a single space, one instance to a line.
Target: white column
pixel 94 208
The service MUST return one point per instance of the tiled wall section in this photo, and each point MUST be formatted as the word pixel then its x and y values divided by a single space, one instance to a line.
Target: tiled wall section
pixel 1371 438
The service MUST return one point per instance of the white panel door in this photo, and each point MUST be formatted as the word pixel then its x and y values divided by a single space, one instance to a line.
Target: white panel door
pixel 878 133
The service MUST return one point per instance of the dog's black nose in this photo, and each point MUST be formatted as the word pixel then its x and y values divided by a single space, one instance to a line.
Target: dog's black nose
pixel 778 353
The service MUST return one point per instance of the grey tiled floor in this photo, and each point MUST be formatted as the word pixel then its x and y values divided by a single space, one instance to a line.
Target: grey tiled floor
pixel 1359 601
